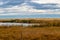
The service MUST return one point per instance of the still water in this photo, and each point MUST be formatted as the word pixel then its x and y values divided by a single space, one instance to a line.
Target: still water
pixel 18 24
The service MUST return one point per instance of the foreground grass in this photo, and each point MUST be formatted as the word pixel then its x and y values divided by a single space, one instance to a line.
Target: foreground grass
pixel 19 33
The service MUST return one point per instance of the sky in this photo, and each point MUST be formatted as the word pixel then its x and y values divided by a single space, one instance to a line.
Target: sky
pixel 29 8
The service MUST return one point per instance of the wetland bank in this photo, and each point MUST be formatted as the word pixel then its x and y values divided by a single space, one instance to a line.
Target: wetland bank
pixel 50 30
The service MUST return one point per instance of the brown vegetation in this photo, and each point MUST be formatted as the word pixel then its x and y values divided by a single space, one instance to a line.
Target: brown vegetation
pixel 29 33
pixel 43 22
pixel 40 20
pixel 50 30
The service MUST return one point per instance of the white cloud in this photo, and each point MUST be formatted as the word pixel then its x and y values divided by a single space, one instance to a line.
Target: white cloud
pixel 46 1
pixel 57 11
pixel 19 10
pixel 24 9
pixel 2 3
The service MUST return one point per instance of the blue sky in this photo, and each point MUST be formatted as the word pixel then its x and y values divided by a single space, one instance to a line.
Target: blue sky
pixel 28 8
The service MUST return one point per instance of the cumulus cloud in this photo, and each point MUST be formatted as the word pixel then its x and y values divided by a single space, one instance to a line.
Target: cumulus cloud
pixel 20 10
pixel 29 7
pixel 46 1
pixel 3 3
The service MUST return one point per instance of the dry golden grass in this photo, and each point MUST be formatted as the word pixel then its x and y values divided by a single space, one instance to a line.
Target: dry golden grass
pixel 45 33
pixel 10 33
pixel 32 20
pixel 29 33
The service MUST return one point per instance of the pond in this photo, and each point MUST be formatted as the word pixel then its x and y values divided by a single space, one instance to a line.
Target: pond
pixel 18 24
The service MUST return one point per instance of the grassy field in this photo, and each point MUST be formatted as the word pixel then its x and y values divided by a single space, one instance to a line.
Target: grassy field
pixel 29 33
pixel 28 20
pixel 49 29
